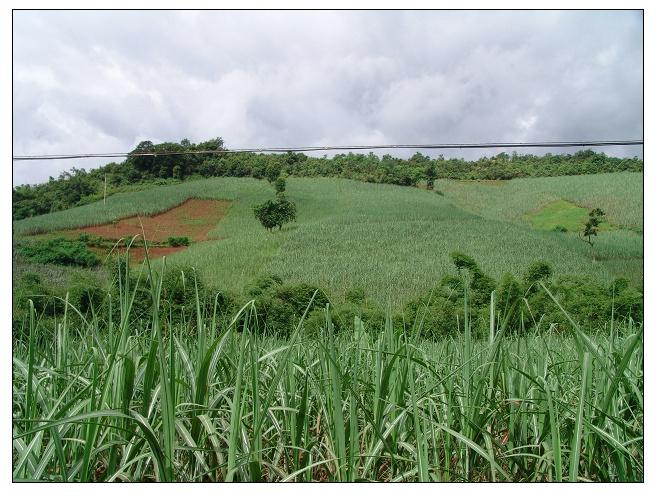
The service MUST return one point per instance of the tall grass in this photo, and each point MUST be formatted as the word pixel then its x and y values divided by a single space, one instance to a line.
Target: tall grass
pixel 143 400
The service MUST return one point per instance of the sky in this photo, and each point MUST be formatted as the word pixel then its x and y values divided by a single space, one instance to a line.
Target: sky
pixel 91 82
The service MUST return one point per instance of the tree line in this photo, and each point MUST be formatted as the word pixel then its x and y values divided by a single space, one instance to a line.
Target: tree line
pixel 79 187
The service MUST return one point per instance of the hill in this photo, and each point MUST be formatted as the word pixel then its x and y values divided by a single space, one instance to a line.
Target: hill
pixel 394 242
pixel 169 162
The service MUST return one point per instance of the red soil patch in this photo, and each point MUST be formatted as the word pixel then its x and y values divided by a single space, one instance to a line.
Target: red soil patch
pixel 194 219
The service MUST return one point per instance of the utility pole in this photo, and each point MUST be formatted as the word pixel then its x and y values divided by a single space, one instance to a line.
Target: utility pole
pixel 105 193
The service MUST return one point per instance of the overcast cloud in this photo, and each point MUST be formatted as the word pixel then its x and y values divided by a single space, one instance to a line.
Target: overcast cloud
pixel 102 82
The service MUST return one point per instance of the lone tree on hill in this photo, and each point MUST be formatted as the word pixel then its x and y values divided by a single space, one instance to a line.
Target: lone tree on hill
pixel 595 217
pixel 275 213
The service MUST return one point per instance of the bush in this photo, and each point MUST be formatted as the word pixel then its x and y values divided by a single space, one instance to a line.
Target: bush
pixel 437 315
pixel 355 296
pixel 59 251
pixel 90 240
pixel 85 291
pixel 280 306
pixel 537 271
pixel 481 285
pixel 174 241
pixel 179 290
pixel 463 261
pixel 508 300
pixel 31 287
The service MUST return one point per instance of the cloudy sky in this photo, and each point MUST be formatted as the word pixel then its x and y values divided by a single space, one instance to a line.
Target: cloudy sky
pixel 104 81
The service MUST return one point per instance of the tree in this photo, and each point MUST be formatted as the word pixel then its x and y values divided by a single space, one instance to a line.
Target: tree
pixel 267 214
pixel 273 171
pixel 595 217
pixel 142 163
pixel 286 209
pixel 431 174
pixel 280 184
pixel 275 213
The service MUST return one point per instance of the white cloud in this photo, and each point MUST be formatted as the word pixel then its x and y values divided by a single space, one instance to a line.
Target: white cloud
pixel 103 81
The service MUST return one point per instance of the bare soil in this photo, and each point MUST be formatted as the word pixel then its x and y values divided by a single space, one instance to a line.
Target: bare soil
pixel 194 219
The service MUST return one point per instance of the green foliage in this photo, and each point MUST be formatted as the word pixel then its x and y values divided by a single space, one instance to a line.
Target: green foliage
pixel 589 301
pixel 280 184
pixel 268 215
pixel 595 217
pixel 120 398
pixel 509 292
pixel 275 213
pixel 175 241
pixel 431 174
pixel 273 171
pixel 592 225
pixel 90 240
pixel 537 271
pixel 464 262
pixel 355 296
pixel 59 251
pixel 31 287
pixel 392 241
pixel 78 187
pixel 279 306
pixel 438 311
pixel 86 290
pixel 481 284
pixel 179 287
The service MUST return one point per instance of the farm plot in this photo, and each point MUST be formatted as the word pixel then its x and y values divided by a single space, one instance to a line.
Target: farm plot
pixel 192 220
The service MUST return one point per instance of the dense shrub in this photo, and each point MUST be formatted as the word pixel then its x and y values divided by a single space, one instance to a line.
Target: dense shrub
pixel 439 312
pixel 30 287
pixel 521 304
pixel 280 306
pixel 436 315
pixel 91 240
pixel 175 241
pixel 59 251
pixel 85 291
pixel 355 296
pixel 179 288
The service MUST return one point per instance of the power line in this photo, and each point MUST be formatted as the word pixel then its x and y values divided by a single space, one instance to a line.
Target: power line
pixel 593 143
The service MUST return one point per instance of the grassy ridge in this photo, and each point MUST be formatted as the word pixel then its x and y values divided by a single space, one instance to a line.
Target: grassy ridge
pixel 392 241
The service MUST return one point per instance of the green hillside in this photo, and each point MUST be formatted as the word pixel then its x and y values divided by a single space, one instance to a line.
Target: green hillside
pixel 392 241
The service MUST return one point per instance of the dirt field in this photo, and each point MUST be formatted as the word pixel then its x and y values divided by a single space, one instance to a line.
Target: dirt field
pixel 194 219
